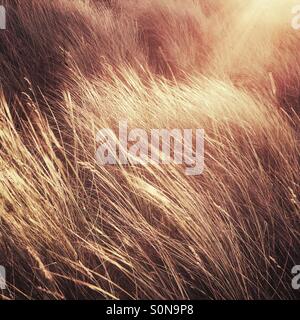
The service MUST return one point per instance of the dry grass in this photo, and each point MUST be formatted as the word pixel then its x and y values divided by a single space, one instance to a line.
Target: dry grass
pixel 72 229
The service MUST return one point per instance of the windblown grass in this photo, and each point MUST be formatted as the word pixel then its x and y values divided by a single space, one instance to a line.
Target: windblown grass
pixel 72 229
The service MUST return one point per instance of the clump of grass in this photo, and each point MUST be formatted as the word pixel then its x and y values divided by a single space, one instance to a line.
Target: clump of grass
pixel 72 229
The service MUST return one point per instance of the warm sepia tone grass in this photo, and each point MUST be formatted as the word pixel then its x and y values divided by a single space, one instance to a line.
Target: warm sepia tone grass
pixel 72 229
